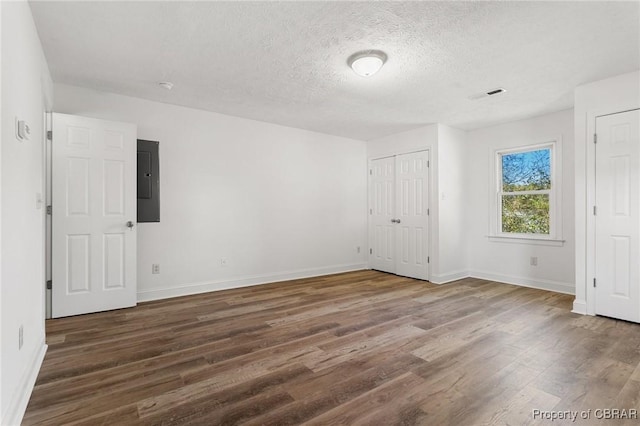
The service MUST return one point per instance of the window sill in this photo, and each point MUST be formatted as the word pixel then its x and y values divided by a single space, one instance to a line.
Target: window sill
pixel 527 240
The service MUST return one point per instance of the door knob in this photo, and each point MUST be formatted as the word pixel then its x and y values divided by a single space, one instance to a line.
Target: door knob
pixel 130 225
pixel 397 220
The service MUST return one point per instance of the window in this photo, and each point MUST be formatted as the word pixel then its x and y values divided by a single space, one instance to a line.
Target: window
pixel 526 201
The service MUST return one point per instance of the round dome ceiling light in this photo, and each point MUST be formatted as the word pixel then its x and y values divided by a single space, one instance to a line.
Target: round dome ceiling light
pixel 166 85
pixel 367 63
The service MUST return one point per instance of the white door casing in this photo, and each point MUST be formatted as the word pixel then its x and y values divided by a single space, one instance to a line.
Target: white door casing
pixel 617 219
pixel 398 214
pixel 93 199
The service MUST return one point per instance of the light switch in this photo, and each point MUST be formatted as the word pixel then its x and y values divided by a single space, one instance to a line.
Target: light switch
pixel 23 131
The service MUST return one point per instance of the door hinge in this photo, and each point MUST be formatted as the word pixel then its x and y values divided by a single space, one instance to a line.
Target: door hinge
pixel 594 282
pixel 370 171
pixel 49 284
pixel 594 210
pixel 370 251
pixel 427 212
pixel 595 138
pixel 427 163
pixel 428 259
pixel 49 210
pixel 370 211
pixel 49 135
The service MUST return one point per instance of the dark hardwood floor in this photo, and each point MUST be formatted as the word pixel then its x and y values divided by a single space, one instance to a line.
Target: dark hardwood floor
pixel 356 348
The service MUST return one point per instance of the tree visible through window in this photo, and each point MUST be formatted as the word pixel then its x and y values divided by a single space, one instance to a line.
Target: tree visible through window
pixel 525 191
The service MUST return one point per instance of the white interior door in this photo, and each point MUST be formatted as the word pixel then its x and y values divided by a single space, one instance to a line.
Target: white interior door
pixel 617 266
pixel 412 215
pixel 93 215
pixel 382 213
pixel 399 214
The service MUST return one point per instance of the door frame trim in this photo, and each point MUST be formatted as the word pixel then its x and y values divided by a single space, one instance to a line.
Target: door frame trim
pixel 590 240
pixel 430 240
pixel 48 179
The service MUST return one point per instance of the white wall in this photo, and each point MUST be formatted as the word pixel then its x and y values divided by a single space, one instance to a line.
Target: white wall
pixel 510 261
pixel 2 403
pixel 452 204
pixel 26 88
pixel 276 202
pixel 607 96
pixel 410 141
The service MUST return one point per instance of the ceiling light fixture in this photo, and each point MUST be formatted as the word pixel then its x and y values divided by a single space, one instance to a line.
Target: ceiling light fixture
pixel 166 85
pixel 367 63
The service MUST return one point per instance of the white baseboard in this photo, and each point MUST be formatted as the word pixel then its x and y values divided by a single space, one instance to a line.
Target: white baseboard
pixel 247 281
pixel 556 286
pixel 448 277
pixel 19 402
pixel 579 307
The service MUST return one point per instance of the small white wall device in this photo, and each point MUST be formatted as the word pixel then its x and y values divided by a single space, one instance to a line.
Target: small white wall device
pixel 23 131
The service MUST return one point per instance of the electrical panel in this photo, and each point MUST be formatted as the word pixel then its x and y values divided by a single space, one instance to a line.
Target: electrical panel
pixel 148 181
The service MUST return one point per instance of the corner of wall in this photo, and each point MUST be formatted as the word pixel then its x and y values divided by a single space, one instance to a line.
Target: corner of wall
pixel 610 95
pixel 18 405
pixel 579 307
pixel 451 262
pixel 449 277
pixel 26 89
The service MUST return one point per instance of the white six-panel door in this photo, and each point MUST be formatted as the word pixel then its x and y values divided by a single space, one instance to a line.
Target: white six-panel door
pixel 382 213
pixel 412 215
pixel 617 266
pixel 93 215
pixel 398 214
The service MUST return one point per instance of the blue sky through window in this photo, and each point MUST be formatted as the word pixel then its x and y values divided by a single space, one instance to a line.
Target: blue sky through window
pixel 527 171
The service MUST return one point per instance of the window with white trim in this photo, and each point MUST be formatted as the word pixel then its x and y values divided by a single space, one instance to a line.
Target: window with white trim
pixel 526 203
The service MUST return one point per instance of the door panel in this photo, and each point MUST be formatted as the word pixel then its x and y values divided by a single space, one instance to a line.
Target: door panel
pixel 411 184
pixel 381 213
pixel 617 267
pixel 399 214
pixel 93 197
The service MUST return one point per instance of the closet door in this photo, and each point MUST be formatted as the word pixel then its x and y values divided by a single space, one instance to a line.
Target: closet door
pixel 412 215
pixel 399 223
pixel 617 265
pixel 382 215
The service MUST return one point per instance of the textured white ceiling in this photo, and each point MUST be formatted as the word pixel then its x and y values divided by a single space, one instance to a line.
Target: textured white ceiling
pixel 285 62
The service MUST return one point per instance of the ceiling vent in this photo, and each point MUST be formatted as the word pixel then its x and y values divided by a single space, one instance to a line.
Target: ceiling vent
pixel 492 92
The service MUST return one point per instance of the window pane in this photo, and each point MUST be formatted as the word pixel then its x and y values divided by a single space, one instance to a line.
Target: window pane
pixel 526 171
pixel 525 214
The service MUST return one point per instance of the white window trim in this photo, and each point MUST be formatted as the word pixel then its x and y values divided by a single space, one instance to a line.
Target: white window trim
pixel 555 196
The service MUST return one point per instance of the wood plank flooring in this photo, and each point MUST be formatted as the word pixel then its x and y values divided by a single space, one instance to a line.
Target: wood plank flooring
pixel 348 349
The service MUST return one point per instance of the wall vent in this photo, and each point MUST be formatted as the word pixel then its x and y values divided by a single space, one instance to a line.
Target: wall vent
pixel 495 91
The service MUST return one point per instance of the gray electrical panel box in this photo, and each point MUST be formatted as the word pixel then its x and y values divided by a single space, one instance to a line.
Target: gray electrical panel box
pixel 148 179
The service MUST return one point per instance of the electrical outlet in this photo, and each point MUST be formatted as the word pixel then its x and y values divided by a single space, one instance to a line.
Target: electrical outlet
pixel 533 261
pixel 20 336
pixel 155 268
pixel 223 261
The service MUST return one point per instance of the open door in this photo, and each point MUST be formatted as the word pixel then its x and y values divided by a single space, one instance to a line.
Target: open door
pixel 93 215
